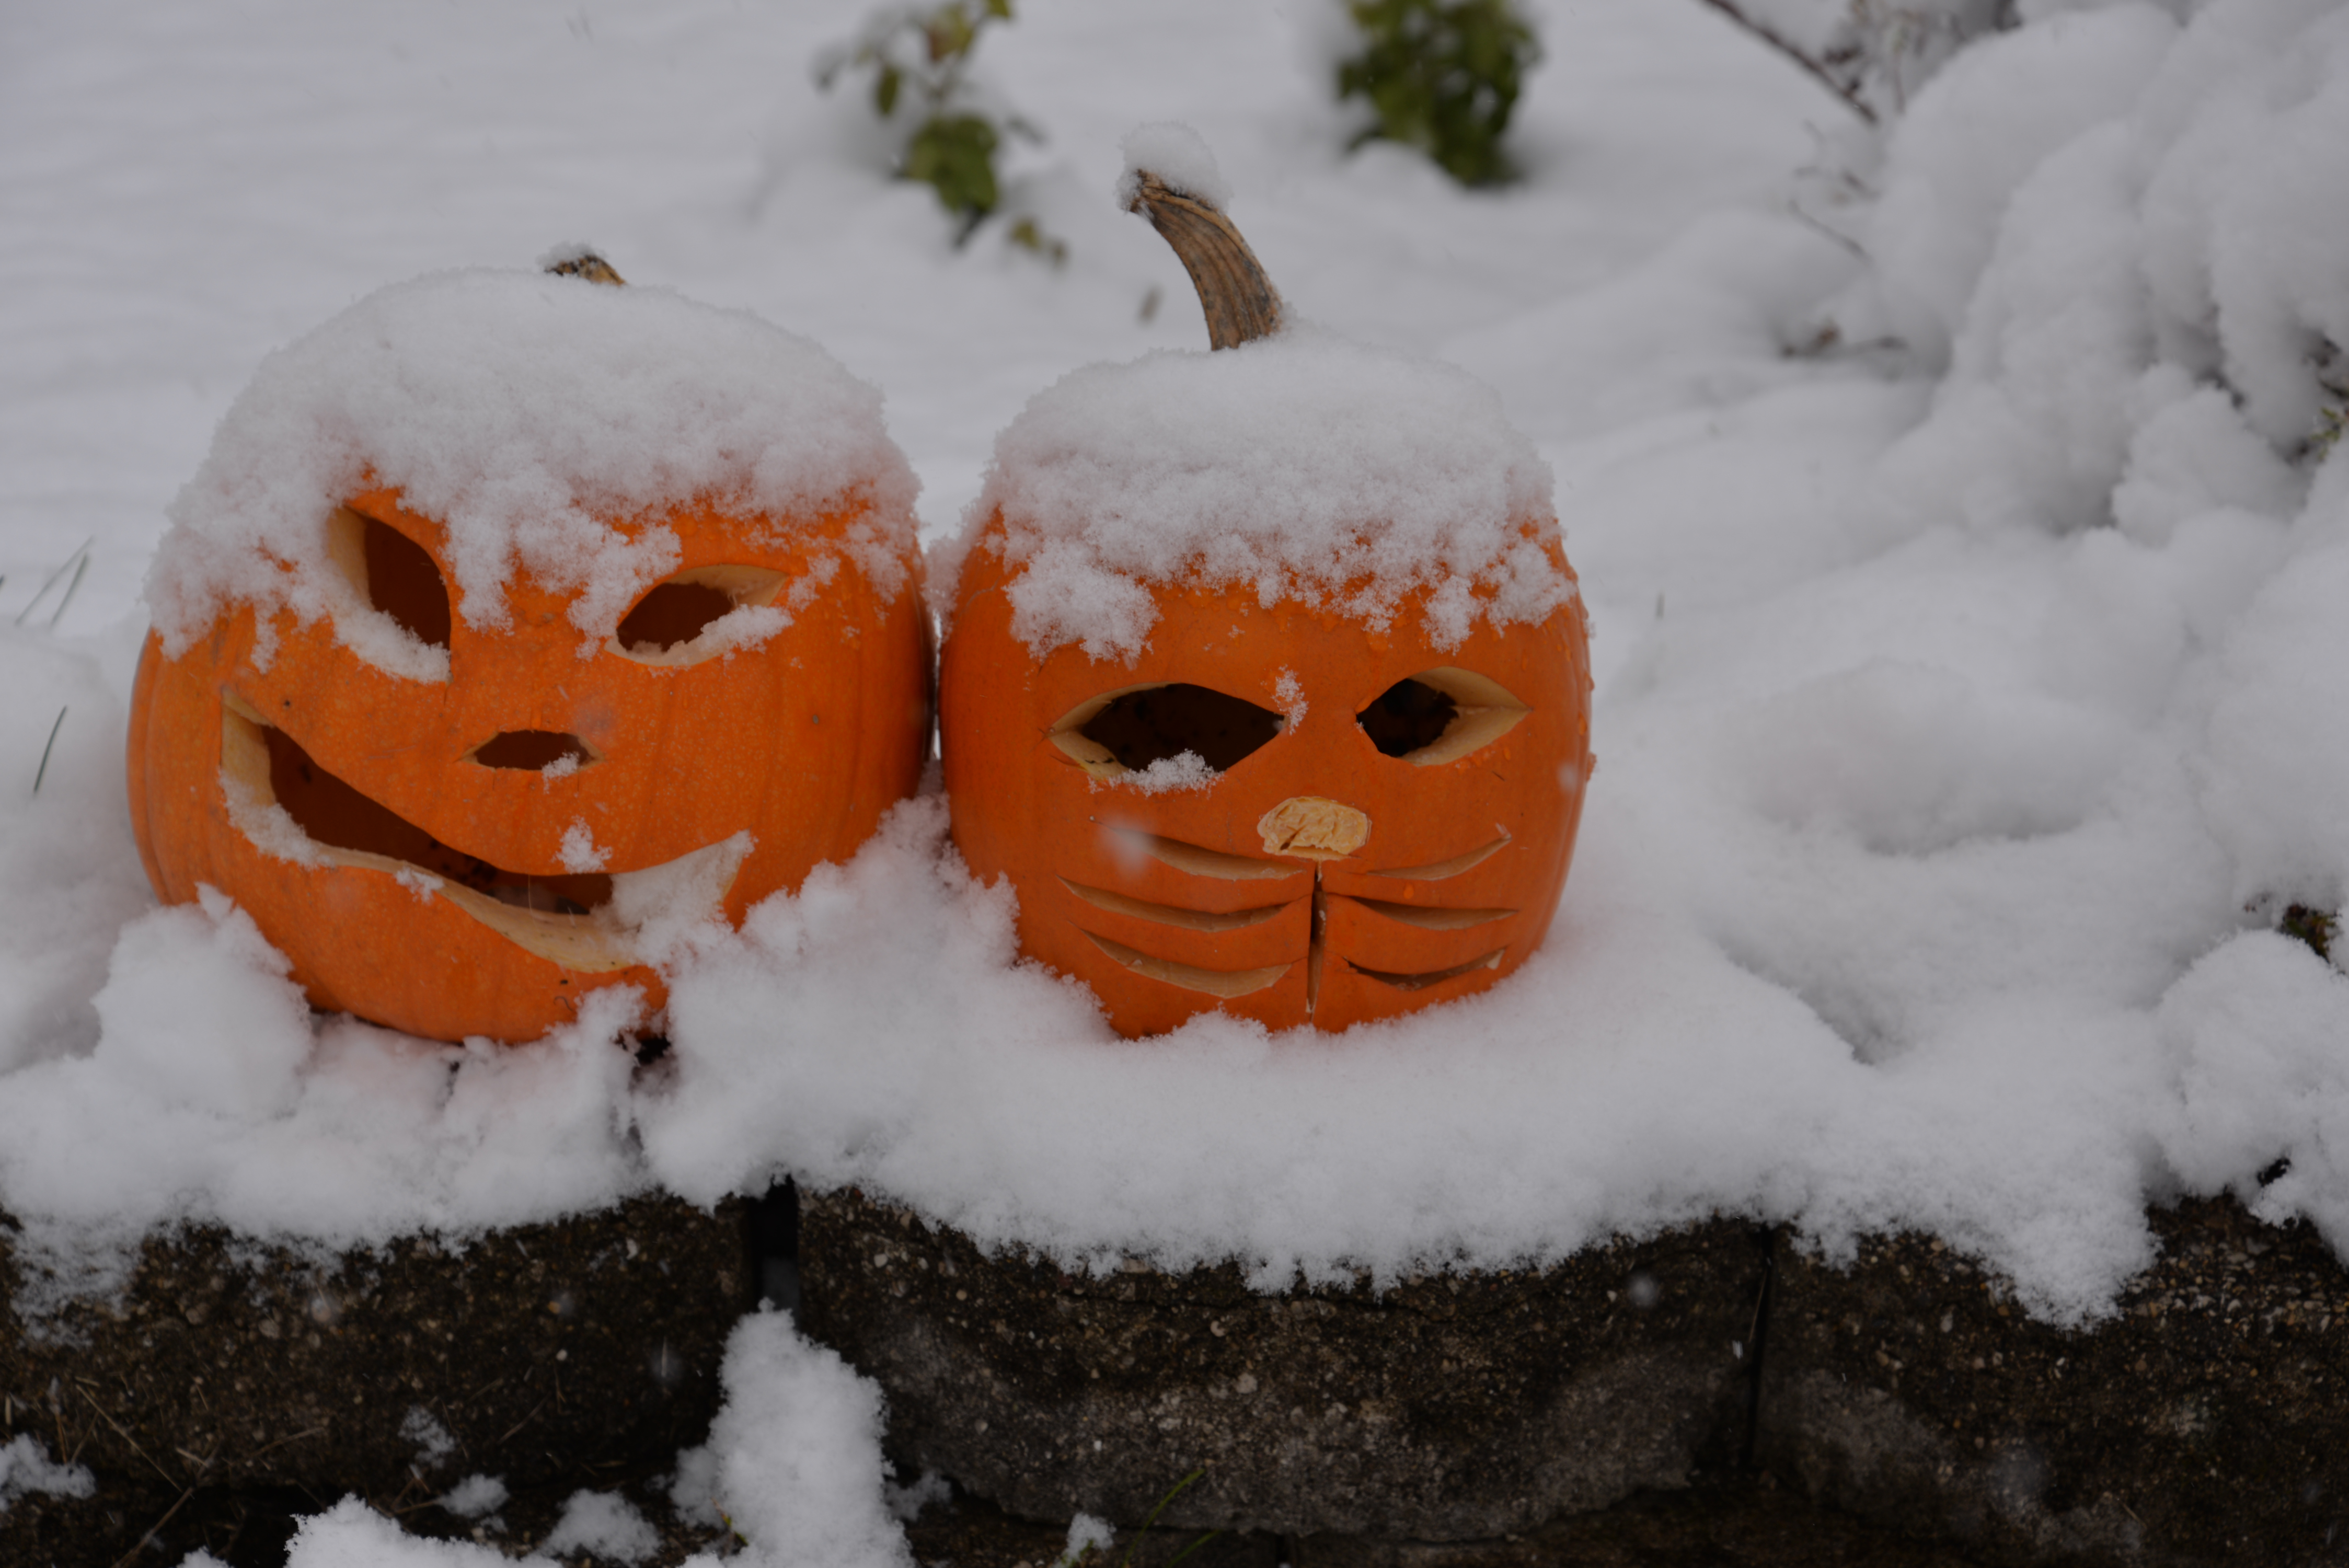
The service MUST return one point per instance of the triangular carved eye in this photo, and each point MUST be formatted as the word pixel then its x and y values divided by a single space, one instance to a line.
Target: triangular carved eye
pixel 1440 716
pixel 670 625
pixel 1125 731
pixel 393 573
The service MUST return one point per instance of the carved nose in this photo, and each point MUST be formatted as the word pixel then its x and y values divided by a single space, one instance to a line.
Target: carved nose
pixel 1314 827
pixel 532 750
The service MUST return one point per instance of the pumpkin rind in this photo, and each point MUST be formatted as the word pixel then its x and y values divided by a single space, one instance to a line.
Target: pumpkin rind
pixel 1022 809
pixel 1318 877
pixel 804 742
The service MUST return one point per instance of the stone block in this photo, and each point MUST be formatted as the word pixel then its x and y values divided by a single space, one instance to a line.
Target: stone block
pixel 574 1353
pixel 2208 1422
pixel 1460 1406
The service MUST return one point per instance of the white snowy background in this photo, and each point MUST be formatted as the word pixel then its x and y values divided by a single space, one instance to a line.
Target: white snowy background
pixel 1953 501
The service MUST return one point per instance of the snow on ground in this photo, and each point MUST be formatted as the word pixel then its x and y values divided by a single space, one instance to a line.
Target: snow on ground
pixel 1964 552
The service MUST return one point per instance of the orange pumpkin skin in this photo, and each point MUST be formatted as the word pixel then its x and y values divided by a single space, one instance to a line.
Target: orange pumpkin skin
pixel 1023 808
pixel 804 741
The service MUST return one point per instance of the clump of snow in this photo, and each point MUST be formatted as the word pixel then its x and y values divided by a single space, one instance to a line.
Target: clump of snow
pixel 666 909
pixel 564 254
pixel 578 850
pixel 604 1523
pixel 1300 466
pixel 538 418
pixel 1179 157
pixel 66 849
pixel 1087 1533
pixel 1289 693
pixel 475 1496
pixel 1184 770
pixel 905 1502
pixel 352 1535
pixel 213 1091
pixel 433 1441
pixel 25 1469
pixel 794 1460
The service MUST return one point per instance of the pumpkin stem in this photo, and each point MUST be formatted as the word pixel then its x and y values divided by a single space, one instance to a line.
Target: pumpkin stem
pixel 1240 301
pixel 589 266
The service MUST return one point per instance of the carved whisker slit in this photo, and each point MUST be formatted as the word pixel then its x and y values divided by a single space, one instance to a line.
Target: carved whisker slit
pixel 1433 919
pixel 1190 977
pixel 1199 861
pixel 1421 981
pixel 1438 871
pixel 1170 914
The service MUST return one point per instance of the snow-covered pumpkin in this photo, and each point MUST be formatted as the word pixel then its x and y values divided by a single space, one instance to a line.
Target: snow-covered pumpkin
pixel 515 626
pixel 1267 681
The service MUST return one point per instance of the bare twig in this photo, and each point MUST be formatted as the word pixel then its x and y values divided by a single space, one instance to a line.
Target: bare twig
pixel 154 1528
pixel 526 1421
pixel 1795 52
pixel 103 1416
pixel 281 1442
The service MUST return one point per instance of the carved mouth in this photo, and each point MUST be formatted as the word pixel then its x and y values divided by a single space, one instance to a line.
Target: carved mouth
pixel 1198 860
pixel 290 807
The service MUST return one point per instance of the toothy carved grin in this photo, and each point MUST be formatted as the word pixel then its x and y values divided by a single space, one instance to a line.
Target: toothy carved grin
pixel 1197 860
pixel 291 807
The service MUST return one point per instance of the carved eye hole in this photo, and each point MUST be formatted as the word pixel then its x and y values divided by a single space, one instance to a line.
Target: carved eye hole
pixel 393 573
pixel 671 624
pixel 1125 731
pixel 1440 716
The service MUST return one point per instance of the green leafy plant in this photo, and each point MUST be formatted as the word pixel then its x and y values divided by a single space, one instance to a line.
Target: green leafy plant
pixel 920 57
pixel 1442 75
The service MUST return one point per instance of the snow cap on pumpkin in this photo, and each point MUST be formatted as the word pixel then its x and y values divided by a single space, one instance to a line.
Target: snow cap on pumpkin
pixel 531 415
pixel 1298 465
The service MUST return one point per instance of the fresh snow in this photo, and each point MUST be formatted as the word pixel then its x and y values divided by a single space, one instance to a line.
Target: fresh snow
pixel 26 1469
pixel 1957 509
pixel 1300 466
pixel 1176 155
pixel 540 418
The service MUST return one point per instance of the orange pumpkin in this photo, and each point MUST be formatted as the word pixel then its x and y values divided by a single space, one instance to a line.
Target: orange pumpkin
pixel 469 856
pixel 1377 813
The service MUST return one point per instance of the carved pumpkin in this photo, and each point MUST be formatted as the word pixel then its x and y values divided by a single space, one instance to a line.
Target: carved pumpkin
pixel 1287 804
pixel 530 796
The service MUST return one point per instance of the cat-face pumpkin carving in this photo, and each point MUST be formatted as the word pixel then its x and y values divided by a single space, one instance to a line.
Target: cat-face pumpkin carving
pixel 1382 824
pixel 1326 802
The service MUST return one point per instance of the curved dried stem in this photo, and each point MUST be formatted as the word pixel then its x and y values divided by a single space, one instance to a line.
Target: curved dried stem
pixel 1240 301
pixel 589 266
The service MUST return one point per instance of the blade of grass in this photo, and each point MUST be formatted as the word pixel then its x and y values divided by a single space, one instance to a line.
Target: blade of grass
pixel 66 597
pixel 1173 1493
pixel 54 578
pixel 1178 1557
pixel 43 772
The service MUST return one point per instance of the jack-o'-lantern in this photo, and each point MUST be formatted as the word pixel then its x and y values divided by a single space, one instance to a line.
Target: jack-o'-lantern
pixel 1267 682
pixel 515 625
